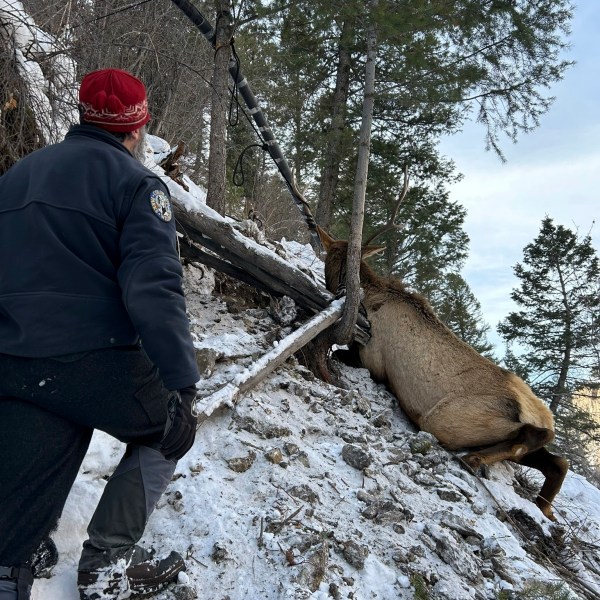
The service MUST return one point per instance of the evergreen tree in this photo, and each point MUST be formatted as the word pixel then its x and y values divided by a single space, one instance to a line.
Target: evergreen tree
pixel 457 307
pixel 553 335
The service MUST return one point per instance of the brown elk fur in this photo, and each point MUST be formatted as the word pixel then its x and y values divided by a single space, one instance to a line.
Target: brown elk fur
pixel 445 386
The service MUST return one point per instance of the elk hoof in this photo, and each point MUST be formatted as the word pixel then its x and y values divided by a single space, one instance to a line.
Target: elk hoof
pixel 473 461
pixel 476 466
pixel 545 508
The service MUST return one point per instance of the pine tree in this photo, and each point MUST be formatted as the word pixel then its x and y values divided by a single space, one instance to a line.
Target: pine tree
pixel 552 337
pixel 459 309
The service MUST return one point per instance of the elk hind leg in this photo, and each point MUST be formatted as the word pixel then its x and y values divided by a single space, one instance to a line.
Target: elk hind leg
pixel 554 469
pixel 525 440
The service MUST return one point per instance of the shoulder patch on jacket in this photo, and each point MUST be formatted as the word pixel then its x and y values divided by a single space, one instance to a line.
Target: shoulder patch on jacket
pixel 161 205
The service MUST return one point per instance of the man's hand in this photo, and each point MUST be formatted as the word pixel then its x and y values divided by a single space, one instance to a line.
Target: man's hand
pixel 180 429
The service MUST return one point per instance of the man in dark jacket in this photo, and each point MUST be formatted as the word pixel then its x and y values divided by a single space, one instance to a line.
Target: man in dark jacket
pixel 93 335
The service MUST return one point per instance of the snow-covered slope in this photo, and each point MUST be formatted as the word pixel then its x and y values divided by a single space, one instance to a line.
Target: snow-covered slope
pixel 305 490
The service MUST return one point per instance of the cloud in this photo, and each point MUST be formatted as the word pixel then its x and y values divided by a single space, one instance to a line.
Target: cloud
pixel 505 206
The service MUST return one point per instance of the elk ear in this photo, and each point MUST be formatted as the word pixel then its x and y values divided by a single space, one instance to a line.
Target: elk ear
pixel 325 238
pixel 371 250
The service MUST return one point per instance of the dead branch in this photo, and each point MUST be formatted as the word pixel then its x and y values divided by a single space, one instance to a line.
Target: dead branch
pixel 391 224
pixel 243 258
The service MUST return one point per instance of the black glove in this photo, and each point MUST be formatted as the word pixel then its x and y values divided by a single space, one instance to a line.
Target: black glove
pixel 180 429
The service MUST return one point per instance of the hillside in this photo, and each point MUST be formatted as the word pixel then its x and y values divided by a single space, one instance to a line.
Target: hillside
pixel 305 490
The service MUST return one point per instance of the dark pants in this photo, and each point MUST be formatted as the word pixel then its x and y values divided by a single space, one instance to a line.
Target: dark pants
pixel 48 410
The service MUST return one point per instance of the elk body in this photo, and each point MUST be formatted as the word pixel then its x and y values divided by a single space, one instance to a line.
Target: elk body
pixel 446 387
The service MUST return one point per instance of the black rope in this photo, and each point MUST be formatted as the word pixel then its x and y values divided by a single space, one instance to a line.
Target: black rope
pixel 234 103
pixel 264 132
pixel 238 171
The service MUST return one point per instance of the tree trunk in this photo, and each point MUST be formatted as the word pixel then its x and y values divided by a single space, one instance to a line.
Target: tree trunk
pixel 344 330
pixel 298 137
pixel 560 389
pixel 333 153
pixel 215 197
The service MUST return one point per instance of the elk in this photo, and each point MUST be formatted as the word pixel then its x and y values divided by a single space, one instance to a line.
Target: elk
pixel 445 387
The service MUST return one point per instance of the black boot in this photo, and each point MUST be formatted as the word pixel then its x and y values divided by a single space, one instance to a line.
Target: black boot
pixel 121 581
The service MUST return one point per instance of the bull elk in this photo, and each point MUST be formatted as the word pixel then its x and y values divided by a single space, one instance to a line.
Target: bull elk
pixel 444 386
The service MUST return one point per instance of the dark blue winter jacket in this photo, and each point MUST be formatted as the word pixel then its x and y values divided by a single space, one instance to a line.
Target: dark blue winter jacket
pixel 88 256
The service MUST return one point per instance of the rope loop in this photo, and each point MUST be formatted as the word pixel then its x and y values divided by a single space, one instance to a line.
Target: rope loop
pixel 238 171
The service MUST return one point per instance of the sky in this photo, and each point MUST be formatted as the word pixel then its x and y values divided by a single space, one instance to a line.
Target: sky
pixel 552 171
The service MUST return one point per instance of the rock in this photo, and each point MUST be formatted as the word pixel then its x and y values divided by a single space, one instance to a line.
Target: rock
pixel 347 397
pixel 352 437
pixel 219 553
pixel 243 463
pixel 176 501
pixel 450 495
pixel 362 406
pixel 303 492
pixel 283 310
pixel 264 430
pixel 182 592
pixel 491 547
pixel 365 497
pixel 424 478
pixel 291 449
pixel 386 511
pixel 501 569
pixel 398 528
pixel 478 508
pixel 458 524
pixel 422 443
pixel 356 457
pixel 334 591
pixel 396 456
pixel 382 420
pixel 206 359
pixel 453 553
pixel 274 456
pixel 303 459
pixel 316 408
pixel 307 541
pixel 416 551
pixel 355 554
pixel 420 446
pixel 467 489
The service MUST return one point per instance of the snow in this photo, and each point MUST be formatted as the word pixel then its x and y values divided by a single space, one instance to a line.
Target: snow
pixel 48 94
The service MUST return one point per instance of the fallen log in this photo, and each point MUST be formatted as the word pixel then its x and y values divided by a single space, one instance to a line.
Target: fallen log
pixel 247 379
pixel 261 263
pixel 241 257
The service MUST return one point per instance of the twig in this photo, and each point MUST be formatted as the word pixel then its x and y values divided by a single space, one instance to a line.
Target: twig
pixel 260 536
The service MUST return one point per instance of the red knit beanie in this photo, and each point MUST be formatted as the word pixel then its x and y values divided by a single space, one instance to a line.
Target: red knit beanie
pixel 114 100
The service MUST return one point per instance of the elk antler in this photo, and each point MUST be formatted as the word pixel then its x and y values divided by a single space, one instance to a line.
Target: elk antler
pixel 390 224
